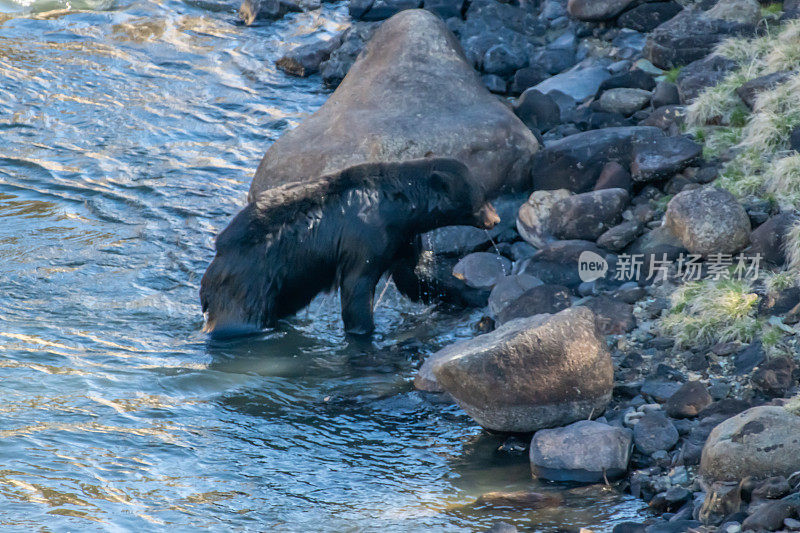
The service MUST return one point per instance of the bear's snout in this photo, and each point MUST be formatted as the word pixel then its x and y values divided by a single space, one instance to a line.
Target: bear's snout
pixel 487 217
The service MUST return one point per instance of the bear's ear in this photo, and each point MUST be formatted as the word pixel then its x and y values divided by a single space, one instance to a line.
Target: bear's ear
pixel 440 182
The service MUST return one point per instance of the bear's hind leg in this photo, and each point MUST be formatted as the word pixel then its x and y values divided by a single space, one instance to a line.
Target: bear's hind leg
pixel 358 292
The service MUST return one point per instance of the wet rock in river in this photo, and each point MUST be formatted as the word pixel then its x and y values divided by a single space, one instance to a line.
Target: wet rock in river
pixel 586 451
pixel 306 59
pixel 519 500
pixel 557 262
pixel 760 442
pixel 530 373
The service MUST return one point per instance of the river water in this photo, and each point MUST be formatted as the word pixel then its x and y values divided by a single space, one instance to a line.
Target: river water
pixel 128 136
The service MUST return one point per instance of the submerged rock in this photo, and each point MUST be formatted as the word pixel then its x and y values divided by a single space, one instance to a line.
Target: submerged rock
pixel 760 442
pixel 586 451
pixel 482 270
pixel 530 373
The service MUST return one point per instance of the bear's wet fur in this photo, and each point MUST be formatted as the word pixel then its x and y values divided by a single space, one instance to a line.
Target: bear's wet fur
pixel 343 230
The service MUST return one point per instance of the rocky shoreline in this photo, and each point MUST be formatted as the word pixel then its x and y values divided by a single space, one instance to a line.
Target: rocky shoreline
pixel 676 388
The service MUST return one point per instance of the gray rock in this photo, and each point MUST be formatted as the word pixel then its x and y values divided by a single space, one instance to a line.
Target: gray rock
pixel 667 118
pixel 482 270
pixel 750 90
pixel 382 9
pixel 585 451
pixel 579 83
pixel 688 401
pixel 769 238
pixel 341 59
pixel 698 75
pixel 502 59
pixel 689 36
pixel 252 10
pixel 508 289
pixel 587 215
pixel 597 10
pixel 624 101
pixel 666 93
pixel 611 316
pixel 708 221
pixel 742 11
pixel 306 59
pixel 662 157
pixel 526 78
pixel 614 176
pixel 654 432
pixel 769 516
pixel 557 262
pixel 794 139
pixel 541 299
pixel 531 373
pixel 355 125
pixel 760 442
pixel 647 17
pixel 533 218
pixel 495 84
pixel 620 236
pixel 537 110
pixel 575 162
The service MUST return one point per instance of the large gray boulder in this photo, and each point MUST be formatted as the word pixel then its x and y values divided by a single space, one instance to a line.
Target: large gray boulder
pixel 761 442
pixel 530 373
pixel 585 451
pixel 410 94
pixel 708 221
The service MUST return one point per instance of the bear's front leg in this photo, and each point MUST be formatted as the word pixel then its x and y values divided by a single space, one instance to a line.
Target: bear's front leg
pixel 358 292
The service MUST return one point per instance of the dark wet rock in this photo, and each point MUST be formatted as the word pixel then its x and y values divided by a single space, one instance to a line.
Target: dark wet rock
pixel 794 138
pixel 661 157
pixel 589 119
pixel 587 215
pixel 620 236
pixel 527 77
pixel 614 176
pixel 445 8
pixel 630 292
pixel 455 240
pixel 482 270
pixel 689 36
pixel 252 10
pixel 633 79
pixel 503 60
pixel 535 301
pixel 575 162
pixel 306 59
pixel 509 289
pixel 628 527
pixel 555 60
pixel 678 526
pixel 769 239
pixel 666 93
pixel 586 451
pixel 522 250
pixel 708 221
pixel 466 115
pixel 771 488
pixel 431 279
pixel 612 316
pixel 760 442
pixel 579 83
pixel 667 118
pixel 779 302
pixel 750 90
pixel 774 377
pixel 625 101
pixel 701 74
pixel 502 527
pixel 530 373
pixel 537 110
pixel 660 390
pixel 380 9
pixel 533 218
pixel 341 59
pixel 688 401
pixel 654 432
pixel 647 17
pixel 769 516
pixel 597 10
pixel 723 499
pixel 749 358
pixel 557 262
pixel 519 500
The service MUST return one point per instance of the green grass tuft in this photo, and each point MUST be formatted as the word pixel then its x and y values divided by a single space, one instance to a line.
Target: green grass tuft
pixel 672 74
pixel 706 312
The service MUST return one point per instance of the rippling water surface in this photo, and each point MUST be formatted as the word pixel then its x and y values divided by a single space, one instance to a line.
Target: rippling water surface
pixel 128 135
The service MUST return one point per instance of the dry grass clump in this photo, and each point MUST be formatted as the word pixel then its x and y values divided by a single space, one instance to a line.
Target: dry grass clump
pixel 782 180
pixel 706 312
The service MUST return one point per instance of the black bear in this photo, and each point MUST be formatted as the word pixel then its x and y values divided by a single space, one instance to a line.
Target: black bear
pixel 343 230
